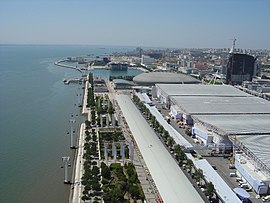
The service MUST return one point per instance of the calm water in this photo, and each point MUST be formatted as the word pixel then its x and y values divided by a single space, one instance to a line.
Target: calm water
pixel 35 109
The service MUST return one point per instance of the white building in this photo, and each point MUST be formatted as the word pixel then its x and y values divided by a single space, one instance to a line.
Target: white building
pixel 226 118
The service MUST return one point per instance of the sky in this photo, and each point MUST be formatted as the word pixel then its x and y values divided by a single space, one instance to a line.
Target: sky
pixel 145 23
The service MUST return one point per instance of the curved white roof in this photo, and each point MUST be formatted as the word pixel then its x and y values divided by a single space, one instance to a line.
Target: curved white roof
pixel 223 190
pixel 178 138
pixel 171 182
pixel 152 78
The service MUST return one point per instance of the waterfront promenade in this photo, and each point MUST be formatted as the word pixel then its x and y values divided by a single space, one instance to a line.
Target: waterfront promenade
pixel 77 188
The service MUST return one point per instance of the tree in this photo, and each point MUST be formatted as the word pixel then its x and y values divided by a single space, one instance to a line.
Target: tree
pixel 150 116
pixel 134 191
pixel 199 175
pixel 161 129
pixel 95 170
pixel 182 156
pixel 177 149
pixel 166 135
pixel 210 190
pixel 96 186
pixel 189 164
pixel 85 197
pixel 153 120
pixel 171 141
pixel 156 125
pixel 147 112
pixel 93 117
pixel 105 171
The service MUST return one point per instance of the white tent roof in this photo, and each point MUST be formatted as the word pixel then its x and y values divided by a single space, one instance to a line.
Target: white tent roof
pixel 222 189
pixel 144 98
pixel 178 138
pixel 171 182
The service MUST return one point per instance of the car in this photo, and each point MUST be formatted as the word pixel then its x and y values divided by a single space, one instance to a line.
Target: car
pixel 232 174
pixel 231 166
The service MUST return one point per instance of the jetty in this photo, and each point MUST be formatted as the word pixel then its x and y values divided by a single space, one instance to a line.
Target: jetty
pixel 60 63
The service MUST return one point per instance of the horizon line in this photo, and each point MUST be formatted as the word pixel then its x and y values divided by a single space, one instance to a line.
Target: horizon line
pixel 133 46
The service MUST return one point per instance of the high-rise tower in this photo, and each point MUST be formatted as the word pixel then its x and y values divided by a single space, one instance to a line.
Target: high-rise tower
pixel 240 67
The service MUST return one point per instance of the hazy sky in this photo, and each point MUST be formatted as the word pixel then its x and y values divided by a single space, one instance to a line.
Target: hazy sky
pixel 155 23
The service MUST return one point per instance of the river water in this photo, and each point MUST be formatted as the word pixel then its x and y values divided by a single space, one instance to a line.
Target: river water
pixel 35 109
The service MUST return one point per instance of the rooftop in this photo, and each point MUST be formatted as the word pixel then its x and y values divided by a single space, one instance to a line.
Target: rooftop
pixel 222 105
pixel 238 124
pixel 255 144
pixel 152 78
pixel 178 138
pixel 200 90
pixel 122 81
pixel 223 190
pixel 170 180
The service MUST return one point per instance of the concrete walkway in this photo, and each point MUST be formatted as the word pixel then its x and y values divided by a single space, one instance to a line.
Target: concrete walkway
pixel 78 187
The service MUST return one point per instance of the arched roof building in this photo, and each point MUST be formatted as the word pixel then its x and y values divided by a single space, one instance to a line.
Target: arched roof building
pixel 152 78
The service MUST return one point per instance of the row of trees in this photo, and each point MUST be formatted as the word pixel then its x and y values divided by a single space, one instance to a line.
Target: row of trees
pixel 91 79
pixel 155 124
pixel 91 176
pixel 179 153
pixel 90 93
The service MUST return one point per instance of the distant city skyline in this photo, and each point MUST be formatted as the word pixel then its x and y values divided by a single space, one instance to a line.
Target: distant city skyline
pixel 145 23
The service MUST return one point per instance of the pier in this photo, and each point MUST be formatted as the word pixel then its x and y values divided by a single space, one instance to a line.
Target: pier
pixel 60 63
